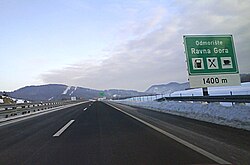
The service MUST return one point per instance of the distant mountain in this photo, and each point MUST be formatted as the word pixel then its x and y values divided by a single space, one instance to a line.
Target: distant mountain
pixel 118 93
pixel 245 78
pixel 64 92
pixel 167 88
pixel 37 93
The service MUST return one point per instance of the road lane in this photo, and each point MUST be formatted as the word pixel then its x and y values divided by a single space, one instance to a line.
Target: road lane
pixel 103 135
pixel 177 139
pixel 231 144
pixel 22 139
pixel 99 135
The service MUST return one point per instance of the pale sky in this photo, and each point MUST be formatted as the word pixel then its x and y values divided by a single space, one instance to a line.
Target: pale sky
pixel 111 44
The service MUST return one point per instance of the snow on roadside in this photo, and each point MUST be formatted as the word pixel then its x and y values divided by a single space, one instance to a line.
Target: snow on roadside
pixel 66 90
pixel 235 116
pixel 18 101
pixel 244 89
pixel 1 101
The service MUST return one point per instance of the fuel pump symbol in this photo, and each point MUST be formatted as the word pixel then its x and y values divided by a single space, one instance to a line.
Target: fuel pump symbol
pixel 197 63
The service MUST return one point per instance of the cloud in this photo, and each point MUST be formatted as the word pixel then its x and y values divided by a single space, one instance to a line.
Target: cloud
pixel 156 53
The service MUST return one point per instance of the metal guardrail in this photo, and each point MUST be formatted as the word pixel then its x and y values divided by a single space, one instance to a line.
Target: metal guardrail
pixel 225 98
pixel 128 97
pixel 8 110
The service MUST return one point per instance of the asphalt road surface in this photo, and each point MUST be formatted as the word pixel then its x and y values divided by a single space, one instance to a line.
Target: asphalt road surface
pixel 94 133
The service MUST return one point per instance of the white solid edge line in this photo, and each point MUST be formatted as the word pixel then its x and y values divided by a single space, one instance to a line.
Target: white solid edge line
pixel 187 144
pixel 63 128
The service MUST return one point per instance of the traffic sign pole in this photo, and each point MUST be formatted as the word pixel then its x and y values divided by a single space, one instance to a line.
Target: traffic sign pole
pixel 205 91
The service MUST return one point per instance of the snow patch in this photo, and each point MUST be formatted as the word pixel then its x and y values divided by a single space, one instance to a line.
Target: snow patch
pixel 18 101
pixel 51 98
pixel 244 89
pixel 66 90
pixel 73 91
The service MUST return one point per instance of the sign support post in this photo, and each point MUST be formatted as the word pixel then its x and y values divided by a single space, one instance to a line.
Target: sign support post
pixel 205 91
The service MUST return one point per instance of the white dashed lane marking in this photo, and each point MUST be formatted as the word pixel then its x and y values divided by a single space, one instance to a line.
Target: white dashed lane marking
pixel 63 128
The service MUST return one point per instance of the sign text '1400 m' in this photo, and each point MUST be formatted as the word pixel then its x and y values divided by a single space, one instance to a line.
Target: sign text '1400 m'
pixel 214 80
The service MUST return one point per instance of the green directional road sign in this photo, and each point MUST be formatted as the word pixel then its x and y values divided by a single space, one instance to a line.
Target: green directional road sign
pixel 211 60
pixel 102 94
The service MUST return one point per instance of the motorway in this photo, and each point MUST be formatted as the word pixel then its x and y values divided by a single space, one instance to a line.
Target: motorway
pixel 103 133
